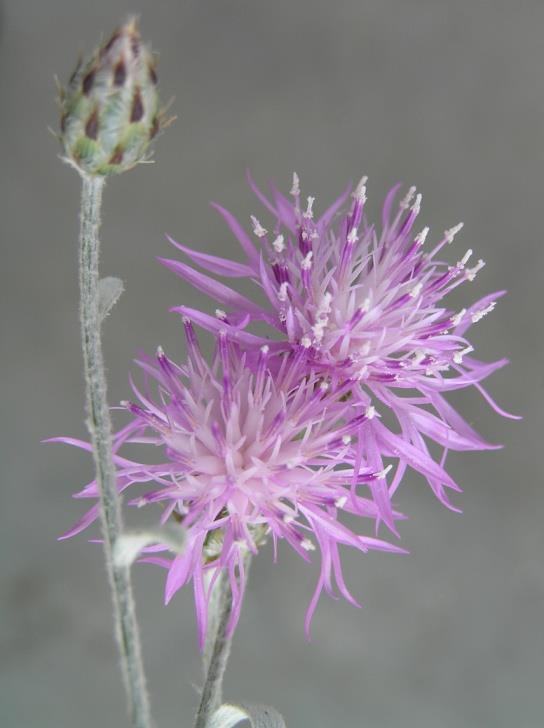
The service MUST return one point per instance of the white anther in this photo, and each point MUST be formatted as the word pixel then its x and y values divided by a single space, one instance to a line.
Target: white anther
pixel 307 545
pixel 324 386
pixel 370 412
pixel 458 317
pixel 221 315
pixel 381 475
pixel 452 232
pixel 418 356
pixel 279 244
pixel 466 257
pixel 416 207
pixel 416 290
pixel 324 306
pixel 360 190
pixel 160 351
pixel 363 372
pixel 421 237
pixel 306 342
pixel 265 349
pixel 365 306
pixel 470 273
pixel 352 236
pixel 341 502
pixel 258 229
pixel 458 355
pixel 282 293
pixel 405 203
pixel 288 518
pixel 306 263
pixel 295 189
pixel 346 439
pixel 309 208
pixel 186 319
pixel 477 315
pixel 318 330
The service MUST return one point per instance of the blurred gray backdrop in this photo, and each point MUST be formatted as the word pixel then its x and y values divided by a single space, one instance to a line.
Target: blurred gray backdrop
pixel 446 95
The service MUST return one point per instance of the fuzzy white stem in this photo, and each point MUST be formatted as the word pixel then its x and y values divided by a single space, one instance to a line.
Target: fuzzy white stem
pixel 217 648
pixel 99 424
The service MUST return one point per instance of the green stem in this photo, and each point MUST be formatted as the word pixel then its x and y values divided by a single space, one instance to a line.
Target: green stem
pixel 100 428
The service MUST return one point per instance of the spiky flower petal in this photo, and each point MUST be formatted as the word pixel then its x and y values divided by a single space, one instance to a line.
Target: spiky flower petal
pixel 361 303
pixel 249 454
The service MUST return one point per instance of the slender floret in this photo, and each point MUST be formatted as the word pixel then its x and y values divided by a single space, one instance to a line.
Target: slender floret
pixel 248 454
pixel 362 304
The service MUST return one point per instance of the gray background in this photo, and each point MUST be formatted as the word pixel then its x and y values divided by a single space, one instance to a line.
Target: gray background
pixel 447 95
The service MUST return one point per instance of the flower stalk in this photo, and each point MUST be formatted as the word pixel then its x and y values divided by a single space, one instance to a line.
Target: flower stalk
pixel 217 647
pixel 100 428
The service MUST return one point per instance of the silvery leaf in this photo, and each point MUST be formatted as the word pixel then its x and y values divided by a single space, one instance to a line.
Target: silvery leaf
pixel 259 716
pixel 109 292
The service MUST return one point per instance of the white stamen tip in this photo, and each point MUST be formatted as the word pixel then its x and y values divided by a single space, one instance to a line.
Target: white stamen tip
pixel 282 293
pixel 288 518
pixel 258 229
pixel 422 236
pixel 295 189
pixel 220 314
pixel 306 263
pixel 307 545
pixel 416 207
pixel 370 412
pixel 466 257
pixel 477 315
pixel 341 502
pixel 360 191
pixel 470 273
pixel 279 244
pixel 416 290
pixel 186 319
pixel 306 342
pixel 352 236
pixel 458 317
pixel 160 351
pixel 124 403
pixel 323 386
pixel 265 349
pixel 382 473
pixel 405 203
pixel 458 355
pixel 365 306
pixel 346 439
pixel 309 208
pixel 452 232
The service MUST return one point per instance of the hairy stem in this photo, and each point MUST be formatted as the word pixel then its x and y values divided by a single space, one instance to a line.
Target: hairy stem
pixel 217 648
pixel 99 424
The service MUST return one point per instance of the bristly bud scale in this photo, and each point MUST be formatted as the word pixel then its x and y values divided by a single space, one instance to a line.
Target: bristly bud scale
pixel 110 107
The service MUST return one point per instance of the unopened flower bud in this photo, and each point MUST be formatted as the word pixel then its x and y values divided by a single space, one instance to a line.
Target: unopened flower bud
pixel 110 108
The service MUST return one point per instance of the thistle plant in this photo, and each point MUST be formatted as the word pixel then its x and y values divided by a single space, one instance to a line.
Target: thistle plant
pixel 275 437
pixel 109 116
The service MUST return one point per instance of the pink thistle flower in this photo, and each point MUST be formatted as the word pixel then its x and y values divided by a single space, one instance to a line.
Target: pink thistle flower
pixel 366 305
pixel 248 455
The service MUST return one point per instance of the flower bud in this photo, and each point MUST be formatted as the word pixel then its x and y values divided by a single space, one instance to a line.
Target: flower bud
pixel 110 108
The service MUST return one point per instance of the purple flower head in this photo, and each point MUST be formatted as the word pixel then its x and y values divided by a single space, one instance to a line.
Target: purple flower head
pixel 364 304
pixel 248 455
